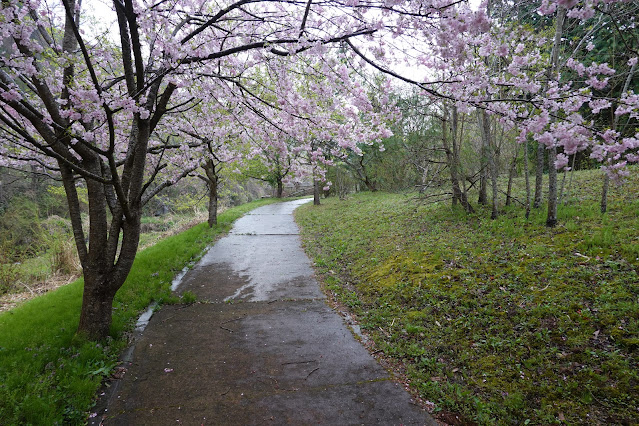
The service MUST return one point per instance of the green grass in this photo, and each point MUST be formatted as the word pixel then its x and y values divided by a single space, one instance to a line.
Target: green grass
pixel 47 375
pixel 502 321
pixel 36 267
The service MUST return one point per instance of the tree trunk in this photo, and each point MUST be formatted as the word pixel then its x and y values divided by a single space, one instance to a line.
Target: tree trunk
pixel 527 178
pixel 483 158
pixel 489 153
pixel 539 175
pixel 102 280
pixel 212 180
pixel 370 185
pixel 109 259
pixel 604 193
pixel 511 176
pixel 451 155
pixel 424 173
pixel 364 176
pixel 280 188
pixel 97 305
pixel 213 202
pixel 316 192
pixel 452 159
pixel 551 219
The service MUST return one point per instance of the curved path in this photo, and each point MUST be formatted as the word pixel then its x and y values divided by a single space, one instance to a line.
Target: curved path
pixel 262 347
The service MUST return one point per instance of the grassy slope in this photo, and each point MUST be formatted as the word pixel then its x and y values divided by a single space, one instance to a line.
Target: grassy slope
pixel 47 376
pixel 501 321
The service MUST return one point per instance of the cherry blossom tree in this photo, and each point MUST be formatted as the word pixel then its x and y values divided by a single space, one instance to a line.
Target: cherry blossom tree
pixel 526 79
pixel 103 115
pixel 89 109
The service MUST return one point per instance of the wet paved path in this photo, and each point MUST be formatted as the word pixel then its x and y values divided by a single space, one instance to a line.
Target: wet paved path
pixel 262 348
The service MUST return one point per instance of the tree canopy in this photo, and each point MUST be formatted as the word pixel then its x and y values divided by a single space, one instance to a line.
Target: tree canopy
pixel 178 83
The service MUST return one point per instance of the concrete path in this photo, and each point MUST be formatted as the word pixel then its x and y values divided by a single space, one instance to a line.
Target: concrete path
pixel 262 347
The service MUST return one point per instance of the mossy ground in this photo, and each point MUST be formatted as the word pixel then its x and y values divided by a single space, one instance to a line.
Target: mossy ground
pixel 501 321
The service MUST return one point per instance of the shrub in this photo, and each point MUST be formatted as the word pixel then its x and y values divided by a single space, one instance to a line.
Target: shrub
pixel 20 227
pixel 9 274
pixel 64 256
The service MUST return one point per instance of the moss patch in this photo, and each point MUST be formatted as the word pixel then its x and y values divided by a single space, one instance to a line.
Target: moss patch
pixel 501 321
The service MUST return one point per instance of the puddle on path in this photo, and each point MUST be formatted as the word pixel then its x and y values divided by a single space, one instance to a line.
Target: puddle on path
pixel 144 319
pixel 178 278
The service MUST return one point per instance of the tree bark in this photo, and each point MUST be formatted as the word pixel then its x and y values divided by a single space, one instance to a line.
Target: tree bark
pixel 527 179
pixel 280 187
pixel 452 158
pixel 539 175
pixel 360 173
pixel 103 274
pixel 483 172
pixel 213 204
pixel 489 153
pixel 212 180
pixel 604 193
pixel 364 176
pixel 551 219
pixel 213 201
pixel 97 305
pixel 316 192
pixel 109 259
pixel 370 185
pixel 511 176
pixel 104 268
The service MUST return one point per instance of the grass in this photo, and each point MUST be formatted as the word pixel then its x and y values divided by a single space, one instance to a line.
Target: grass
pixel 499 322
pixel 156 228
pixel 57 261
pixel 33 272
pixel 30 273
pixel 48 375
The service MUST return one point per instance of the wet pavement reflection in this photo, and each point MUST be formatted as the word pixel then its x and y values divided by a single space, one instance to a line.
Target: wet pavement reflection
pixel 260 347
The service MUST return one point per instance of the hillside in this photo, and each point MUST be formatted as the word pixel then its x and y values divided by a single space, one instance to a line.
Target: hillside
pixel 493 321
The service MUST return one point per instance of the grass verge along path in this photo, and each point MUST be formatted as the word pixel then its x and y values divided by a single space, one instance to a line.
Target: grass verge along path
pixel 499 322
pixel 47 375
